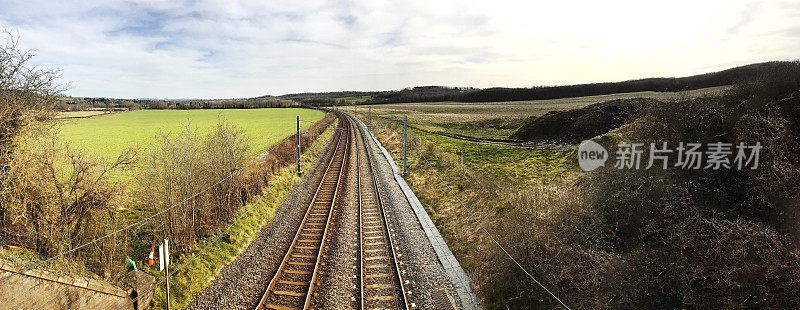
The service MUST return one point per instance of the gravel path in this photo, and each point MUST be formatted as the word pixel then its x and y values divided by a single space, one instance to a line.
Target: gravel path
pixel 240 284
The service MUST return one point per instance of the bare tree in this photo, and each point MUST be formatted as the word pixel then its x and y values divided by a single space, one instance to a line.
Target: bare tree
pixel 27 97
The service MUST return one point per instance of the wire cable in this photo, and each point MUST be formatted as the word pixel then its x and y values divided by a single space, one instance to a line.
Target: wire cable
pixel 302 120
pixel 397 131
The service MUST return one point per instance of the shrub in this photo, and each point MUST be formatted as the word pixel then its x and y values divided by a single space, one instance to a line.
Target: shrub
pixel 61 198
pixel 184 164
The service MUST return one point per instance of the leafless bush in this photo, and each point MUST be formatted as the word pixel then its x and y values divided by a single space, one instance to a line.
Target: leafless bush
pixel 554 234
pixel 61 197
pixel 725 263
pixel 710 238
pixel 184 164
pixel 227 151
pixel 27 95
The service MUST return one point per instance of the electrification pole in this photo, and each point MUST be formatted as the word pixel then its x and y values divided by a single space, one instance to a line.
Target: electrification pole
pixel 405 141
pixel 299 172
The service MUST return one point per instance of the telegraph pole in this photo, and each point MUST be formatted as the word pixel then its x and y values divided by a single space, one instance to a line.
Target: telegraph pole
pixel 405 141
pixel 299 172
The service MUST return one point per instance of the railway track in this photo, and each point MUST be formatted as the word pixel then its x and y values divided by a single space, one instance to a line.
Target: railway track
pixel 293 284
pixel 382 284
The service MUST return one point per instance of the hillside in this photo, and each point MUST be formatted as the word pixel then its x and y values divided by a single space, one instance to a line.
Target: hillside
pixel 436 93
pixel 574 126
pixel 497 94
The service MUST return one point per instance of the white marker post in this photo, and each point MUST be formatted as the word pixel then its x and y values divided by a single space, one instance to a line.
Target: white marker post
pixel 163 264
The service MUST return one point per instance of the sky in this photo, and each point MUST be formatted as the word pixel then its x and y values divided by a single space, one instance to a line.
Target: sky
pixel 238 49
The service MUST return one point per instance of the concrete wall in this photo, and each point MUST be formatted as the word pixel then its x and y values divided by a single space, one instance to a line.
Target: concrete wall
pixel 36 289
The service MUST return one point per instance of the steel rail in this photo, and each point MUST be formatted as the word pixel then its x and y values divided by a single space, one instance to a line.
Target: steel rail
pixel 345 156
pixel 360 232
pixel 340 153
pixel 400 289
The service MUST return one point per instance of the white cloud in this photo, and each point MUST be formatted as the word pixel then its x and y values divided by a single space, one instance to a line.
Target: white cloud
pixel 217 49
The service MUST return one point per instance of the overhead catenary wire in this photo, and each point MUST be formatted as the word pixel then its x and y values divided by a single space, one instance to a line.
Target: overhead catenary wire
pixel 140 222
pixel 313 122
pixel 374 125
pixel 315 129
pixel 494 240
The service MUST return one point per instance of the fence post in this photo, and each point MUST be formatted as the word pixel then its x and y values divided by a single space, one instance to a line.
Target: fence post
pixel 405 141
pixel 299 172
pixel 166 268
pixel 163 265
pixel 370 116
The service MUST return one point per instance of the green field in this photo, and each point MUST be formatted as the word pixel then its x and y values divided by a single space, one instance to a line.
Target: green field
pixel 109 135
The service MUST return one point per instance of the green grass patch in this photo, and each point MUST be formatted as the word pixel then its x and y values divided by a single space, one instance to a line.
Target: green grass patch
pixel 511 163
pixel 506 162
pixel 495 128
pixel 488 129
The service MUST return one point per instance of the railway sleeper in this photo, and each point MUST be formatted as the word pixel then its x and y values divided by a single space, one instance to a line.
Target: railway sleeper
pixel 278 307
pixel 382 298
